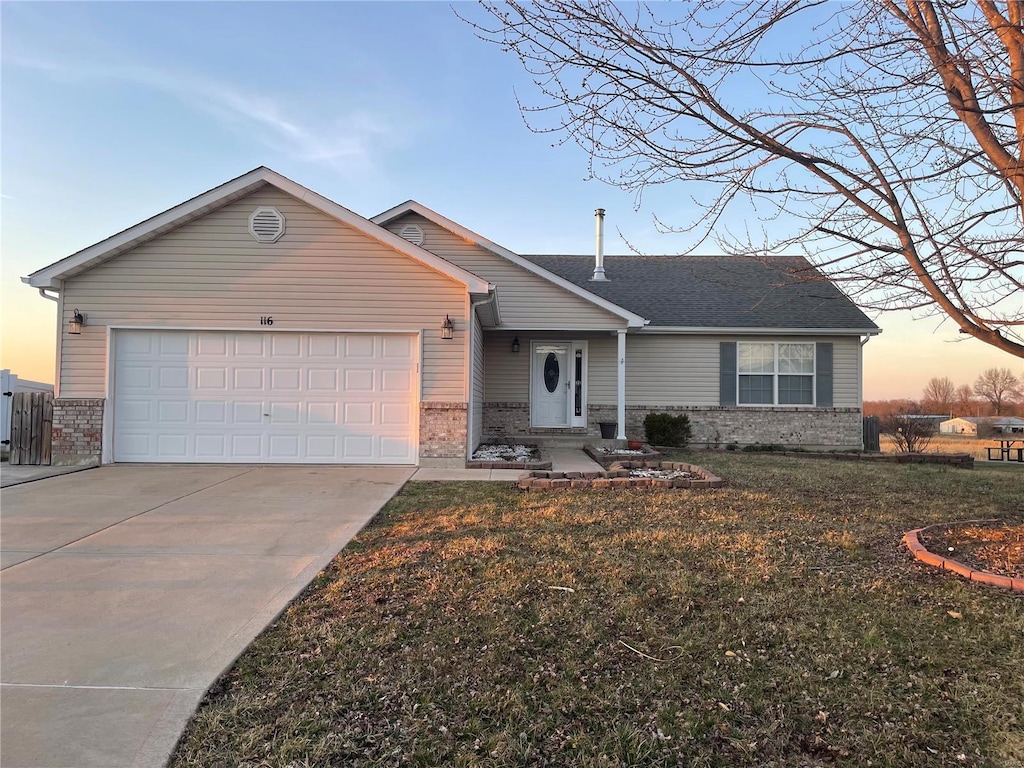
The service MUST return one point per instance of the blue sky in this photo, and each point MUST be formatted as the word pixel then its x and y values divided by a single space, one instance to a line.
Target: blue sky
pixel 113 112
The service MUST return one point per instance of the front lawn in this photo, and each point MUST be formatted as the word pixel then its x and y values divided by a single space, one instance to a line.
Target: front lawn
pixel 776 621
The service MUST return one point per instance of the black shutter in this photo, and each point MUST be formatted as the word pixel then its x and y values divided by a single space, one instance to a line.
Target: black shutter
pixel 823 374
pixel 727 374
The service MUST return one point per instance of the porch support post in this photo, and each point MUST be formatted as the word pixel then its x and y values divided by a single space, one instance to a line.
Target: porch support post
pixel 621 388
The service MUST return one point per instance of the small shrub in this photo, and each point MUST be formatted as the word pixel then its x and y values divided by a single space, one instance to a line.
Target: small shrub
pixel 759 448
pixel 910 434
pixel 732 447
pixel 666 429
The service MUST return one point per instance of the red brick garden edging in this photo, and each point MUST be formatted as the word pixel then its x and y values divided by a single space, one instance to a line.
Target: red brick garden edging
pixel 618 476
pixel 910 538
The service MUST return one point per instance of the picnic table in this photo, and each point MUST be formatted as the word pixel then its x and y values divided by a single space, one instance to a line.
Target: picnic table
pixel 1007 450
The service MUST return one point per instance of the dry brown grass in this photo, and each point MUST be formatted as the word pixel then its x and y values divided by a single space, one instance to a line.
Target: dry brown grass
pixel 774 622
pixel 947 444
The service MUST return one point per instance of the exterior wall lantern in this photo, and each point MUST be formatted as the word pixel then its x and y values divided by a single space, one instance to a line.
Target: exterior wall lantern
pixel 75 323
pixel 515 345
pixel 447 328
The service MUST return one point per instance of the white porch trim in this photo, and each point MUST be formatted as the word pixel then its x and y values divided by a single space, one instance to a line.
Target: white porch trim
pixel 620 411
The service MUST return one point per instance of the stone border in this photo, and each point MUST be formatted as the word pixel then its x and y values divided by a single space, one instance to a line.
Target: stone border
pixel 910 538
pixel 617 477
pixel 544 462
pixel 607 459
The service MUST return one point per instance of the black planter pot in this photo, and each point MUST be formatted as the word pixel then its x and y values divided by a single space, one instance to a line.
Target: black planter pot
pixel 608 429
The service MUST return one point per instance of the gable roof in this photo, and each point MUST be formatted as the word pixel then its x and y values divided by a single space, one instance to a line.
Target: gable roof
pixel 633 317
pixel 728 293
pixel 51 276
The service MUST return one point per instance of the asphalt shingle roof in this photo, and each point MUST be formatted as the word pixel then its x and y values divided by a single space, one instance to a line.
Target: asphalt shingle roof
pixel 715 291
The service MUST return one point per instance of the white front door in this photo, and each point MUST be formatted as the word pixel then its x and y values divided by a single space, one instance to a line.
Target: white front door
pixel 558 384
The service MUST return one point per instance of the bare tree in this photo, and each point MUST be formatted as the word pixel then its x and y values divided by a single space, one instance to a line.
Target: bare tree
pixel 998 386
pixel 965 404
pixel 939 395
pixel 890 139
pixel 909 432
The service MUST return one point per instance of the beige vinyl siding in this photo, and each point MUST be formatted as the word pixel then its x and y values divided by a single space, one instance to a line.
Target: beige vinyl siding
pixel 526 300
pixel 211 273
pixel 477 361
pixel 660 369
pixel 683 370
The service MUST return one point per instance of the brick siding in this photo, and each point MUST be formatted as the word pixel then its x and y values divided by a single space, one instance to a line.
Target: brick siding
pixel 713 426
pixel 442 430
pixel 77 430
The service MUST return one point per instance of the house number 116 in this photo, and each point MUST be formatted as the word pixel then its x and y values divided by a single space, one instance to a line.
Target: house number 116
pixel 266 320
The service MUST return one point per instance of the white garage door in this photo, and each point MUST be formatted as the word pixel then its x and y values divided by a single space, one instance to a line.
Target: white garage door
pixel 206 396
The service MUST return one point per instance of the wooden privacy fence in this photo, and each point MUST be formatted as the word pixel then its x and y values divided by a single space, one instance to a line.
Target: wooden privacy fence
pixel 31 427
pixel 871 433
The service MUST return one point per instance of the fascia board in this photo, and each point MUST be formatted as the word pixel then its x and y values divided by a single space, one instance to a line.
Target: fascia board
pixel 49 276
pixel 751 331
pixel 411 206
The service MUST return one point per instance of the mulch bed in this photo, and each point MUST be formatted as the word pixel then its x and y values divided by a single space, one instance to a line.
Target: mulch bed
pixel 996 547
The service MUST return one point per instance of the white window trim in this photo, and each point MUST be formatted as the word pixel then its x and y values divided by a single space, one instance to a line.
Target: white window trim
pixel 775 376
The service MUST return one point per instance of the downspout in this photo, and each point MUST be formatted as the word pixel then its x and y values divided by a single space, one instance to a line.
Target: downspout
pixel 60 336
pixel 491 297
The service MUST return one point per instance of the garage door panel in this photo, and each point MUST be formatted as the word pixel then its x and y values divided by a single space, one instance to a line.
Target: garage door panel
pixel 212 378
pixel 396 348
pixel 246 447
pixel 172 411
pixel 236 396
pixel 248 345
pixel 324 345
pixel 359 379
pixel 322 380
pixel 321 447
pixel 212 345
pixel 358 347
pixel 248 379
pixel 397 382
pixel 396 415
pixel 176 377
pixel 171 445
pixel 211 412
pixel 211 446
pixel 285 380
pixel 170 344
pixel 285 345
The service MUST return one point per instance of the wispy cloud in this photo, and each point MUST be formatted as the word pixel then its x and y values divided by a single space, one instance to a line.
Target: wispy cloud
pixel 348 139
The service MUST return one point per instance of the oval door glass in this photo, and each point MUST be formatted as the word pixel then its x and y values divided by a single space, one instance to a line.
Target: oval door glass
pixel 551 372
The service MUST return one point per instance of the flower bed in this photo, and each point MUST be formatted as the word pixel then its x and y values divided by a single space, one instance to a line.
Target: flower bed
pixel 624 474
pixel 608 456
pixel 512 456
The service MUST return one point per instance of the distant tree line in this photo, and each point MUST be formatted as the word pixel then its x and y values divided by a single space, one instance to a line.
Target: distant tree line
pixel 995 392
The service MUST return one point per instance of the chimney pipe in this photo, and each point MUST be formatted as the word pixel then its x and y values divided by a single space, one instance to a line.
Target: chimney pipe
pixel 599 262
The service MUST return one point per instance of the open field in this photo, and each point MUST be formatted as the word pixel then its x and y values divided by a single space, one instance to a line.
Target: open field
pixel 776 621
pixel 947 444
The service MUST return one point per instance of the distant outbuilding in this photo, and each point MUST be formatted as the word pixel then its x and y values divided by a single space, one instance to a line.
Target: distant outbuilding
pixel 969 425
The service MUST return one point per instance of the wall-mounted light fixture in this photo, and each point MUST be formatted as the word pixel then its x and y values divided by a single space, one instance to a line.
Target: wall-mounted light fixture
pixel 447 328
pixel 76 322
pixel 515 345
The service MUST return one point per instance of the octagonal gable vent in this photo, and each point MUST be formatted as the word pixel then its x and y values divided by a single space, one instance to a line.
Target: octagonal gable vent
pixel 266 224
pixel 413 233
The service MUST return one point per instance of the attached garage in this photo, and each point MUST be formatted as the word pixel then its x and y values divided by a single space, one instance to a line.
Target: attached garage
pixel 251 397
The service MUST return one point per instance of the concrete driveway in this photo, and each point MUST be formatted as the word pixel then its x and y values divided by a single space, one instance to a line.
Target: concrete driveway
pixel 127 590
